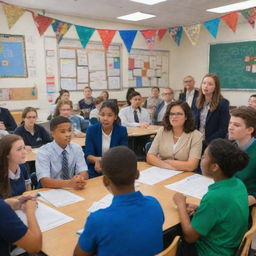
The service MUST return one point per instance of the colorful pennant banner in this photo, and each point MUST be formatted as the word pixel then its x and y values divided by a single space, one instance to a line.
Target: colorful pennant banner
pixel 193 33
pixel 250 15
pixel 176 34
pixel 106 36
pixel 12 13
pixel 128 37
pixel 150 37
pixel 161 32
pixel 60 28
pixel 231 20
pixel 42 23
pixel 212 26
pixel 84 34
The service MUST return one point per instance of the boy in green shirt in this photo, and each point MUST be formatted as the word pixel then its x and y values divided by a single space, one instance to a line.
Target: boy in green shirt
pixel 221 219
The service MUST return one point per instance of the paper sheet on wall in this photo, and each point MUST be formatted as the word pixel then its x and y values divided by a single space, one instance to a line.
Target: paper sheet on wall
pixel 68 83
pixel 137 72
pixel 145 82
pixel 154 175
pixel 82 74
pixel 96 60
pixel 153 82
pixel 97 75
pixel 195 185
pixel 98 85
pixel 164 64
pixel 138 63
pixel 81 86
pixel 67 53
pixel 132 83
pixel 101 204
pixel 150 72
pixel 130 75
pixel 47 217
pixel 114 82
pixel 152 61
pixel 67 68
pixel 50 65
pixel 59 197
pixel 82 57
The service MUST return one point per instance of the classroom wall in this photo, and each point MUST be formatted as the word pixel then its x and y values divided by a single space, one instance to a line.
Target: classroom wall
pixel 185 59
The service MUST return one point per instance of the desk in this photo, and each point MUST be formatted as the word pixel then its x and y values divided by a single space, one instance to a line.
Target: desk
pixel 61 241
pixel 137 131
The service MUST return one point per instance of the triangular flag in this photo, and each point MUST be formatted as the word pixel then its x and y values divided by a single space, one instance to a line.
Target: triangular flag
pixel 231 20
pixel 193 33
pixel 12 13
pixel 150 37
pixel 42 23
pixel 161 33
pixel 60 28
pixel 128 37
pixel 176 34
pixel 212 26
pixel 106 36
pixel 84 34
pixel 250 15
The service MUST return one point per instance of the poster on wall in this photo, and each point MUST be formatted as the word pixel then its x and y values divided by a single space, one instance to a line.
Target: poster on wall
pixel 12 56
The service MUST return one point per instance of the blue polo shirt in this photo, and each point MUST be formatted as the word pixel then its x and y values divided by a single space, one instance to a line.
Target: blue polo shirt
pixel 38 139
pixel 11 228
pixel 132 225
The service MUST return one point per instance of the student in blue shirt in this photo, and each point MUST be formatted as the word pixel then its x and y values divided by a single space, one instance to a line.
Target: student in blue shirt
pixel 132 225
pixel 34 135
pixel 221 220
pixel 102 136
pixel 61 163
pixel 12 159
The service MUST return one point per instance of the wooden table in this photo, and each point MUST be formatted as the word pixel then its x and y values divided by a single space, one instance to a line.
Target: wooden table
pixel 61 241
pixel 137 131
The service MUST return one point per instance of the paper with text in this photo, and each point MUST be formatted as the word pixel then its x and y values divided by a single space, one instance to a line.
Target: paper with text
pixel 101 204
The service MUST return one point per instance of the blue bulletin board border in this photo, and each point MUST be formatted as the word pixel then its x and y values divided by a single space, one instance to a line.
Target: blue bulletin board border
pixel 13 62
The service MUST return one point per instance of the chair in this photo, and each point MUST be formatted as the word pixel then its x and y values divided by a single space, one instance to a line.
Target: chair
pixel 172 249
pixel 247 239
pixel 147 146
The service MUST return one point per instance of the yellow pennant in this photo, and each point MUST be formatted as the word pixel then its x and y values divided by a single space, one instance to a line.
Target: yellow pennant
pixel 12 13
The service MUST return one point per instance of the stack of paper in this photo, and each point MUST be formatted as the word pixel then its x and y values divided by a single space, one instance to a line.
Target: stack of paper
pixel 101 204
pixel 195 185
pixel 154 175
pixel 59 197
pixel 47 217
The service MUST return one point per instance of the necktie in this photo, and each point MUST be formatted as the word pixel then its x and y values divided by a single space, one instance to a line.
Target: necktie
pixel 136 118
pixel 64 170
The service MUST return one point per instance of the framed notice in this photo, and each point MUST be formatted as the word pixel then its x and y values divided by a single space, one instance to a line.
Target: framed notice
pixel 12 56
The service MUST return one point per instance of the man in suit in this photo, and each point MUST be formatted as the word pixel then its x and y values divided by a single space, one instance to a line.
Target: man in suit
pixel 190 93
pixel 168 97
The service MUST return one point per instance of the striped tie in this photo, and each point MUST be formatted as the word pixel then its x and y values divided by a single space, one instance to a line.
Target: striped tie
pixel 64 170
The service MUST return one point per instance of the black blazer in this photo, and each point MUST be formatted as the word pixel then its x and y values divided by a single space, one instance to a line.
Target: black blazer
pixel 7 119
pixel 216 125
pixel 182 97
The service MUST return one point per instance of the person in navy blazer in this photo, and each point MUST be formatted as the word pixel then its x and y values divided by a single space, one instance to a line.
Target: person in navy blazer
pixel 102 136
pixel 190 93
pixel 212 112
pixel 7 121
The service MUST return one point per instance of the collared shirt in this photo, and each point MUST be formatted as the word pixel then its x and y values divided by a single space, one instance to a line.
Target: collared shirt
pixel 203 116
pixel 190 96
pixel 160 115
pixel 122 228
pixel 247 145
pixel 49 160
pixel 126 115
pixel 106 139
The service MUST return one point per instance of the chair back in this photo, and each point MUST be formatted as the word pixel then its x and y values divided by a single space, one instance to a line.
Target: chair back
pixel 172 249
pixel 247 239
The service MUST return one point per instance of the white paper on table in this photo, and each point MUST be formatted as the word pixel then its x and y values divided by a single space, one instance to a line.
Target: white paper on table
pixel 47 217
pixel 101 204
pixel 154 175
pixel 195 185
pixel 60 197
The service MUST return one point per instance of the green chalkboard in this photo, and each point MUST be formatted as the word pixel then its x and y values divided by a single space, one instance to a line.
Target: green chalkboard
pixel 235 64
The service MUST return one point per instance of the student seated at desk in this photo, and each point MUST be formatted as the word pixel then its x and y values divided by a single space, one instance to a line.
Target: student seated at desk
pixel 79 125
pixel 7 122
pixel 94 114
pixel 12 161
pixel 86 105
pixel 132 225
pixel 102 136
pixel 221 219
pixel 134 115
pixel 34 135
pixel 178 145
pixel 252 101
pixel 242 129
pixel 61 163
pixel 63 95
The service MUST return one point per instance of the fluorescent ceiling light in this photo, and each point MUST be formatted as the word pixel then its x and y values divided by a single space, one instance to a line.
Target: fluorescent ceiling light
pixel 136 16
pixel 148 2
pixel 233 7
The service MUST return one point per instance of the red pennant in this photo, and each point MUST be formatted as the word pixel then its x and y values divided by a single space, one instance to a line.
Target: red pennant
pixel 161 33
pixel 106 36
pixel 231 20
pixel 42 23
pixel 150 37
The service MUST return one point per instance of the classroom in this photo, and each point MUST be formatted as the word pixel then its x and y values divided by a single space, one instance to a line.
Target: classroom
pixel 94 50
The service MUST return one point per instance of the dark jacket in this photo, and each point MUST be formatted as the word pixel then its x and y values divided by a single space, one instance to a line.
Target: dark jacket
pixel 7 119
pixel 182 97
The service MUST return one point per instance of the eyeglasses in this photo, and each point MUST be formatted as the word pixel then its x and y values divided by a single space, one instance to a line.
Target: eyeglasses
pixel 65 109
pixel 168 93
pixel 178 114
pixel 188 81
pixel 31 117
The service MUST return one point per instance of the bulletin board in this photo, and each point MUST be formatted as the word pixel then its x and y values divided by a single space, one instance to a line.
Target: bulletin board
pixel 235 64
pixel 12 56
pixel 148 68
pixel 92 66
pixel 26 93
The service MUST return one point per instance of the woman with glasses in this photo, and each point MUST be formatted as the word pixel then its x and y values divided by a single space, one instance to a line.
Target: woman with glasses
pixel 34 135
pixel 178 145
